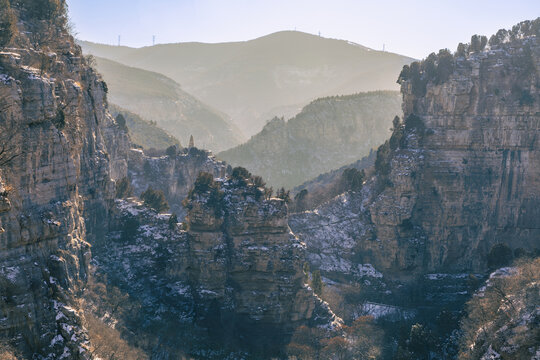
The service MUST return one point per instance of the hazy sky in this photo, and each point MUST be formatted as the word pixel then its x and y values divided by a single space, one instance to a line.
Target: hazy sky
pixel 408 27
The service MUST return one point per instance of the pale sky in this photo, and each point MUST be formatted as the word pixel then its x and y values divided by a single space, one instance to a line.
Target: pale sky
pixel 409 27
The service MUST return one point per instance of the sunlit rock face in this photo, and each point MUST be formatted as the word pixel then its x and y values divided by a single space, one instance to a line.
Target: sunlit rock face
pixel 466 178
pixel 62 148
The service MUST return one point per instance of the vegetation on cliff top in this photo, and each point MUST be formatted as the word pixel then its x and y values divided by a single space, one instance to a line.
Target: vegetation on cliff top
pixel 437 68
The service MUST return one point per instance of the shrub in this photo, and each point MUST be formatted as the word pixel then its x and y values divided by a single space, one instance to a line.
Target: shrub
pixel 171 151
pixel 382 162
pixel 404 75
pixel 258 181
pixel 121 122
pixel 59 120
pixel 397 133
pixel 500 255
pixel 462 50
pixel 204 182
pixel 284 195
pixel 173 221
pixel 352 179
pixel 316 282
pixel 478 43
pixel 445 66
pixel 300 200
pixel 155 199
pixel 240 173
pixel 129 228
pixel 123 188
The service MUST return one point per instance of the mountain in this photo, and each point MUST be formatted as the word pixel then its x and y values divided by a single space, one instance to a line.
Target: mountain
pixel 158 98
pixel 144 133
pixel 254 80
pixel 327 134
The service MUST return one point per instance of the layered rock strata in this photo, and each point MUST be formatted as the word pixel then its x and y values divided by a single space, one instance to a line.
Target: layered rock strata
pixel 233 280
pixel 465 175
pixel 172 174
pixel 61 150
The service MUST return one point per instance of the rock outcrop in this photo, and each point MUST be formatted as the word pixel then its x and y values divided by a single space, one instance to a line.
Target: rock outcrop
pixel 60 150
pixel 233 281
pixel 461 174
pixel 174 174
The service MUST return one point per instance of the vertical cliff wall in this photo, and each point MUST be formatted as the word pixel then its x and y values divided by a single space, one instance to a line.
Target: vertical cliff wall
pixel 174 174
pixel 460 175
pixel 61 150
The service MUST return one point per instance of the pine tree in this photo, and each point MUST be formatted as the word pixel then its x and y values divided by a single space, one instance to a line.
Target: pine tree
pixel 316 282
pixel 155 199
pixel 173 221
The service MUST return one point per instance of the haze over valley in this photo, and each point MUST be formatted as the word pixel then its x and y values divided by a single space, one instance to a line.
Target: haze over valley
pixel 274 194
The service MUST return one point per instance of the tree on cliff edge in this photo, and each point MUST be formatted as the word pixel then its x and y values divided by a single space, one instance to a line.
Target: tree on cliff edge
pixel 155 199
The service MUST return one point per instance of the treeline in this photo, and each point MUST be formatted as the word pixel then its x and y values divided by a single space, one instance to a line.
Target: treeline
pixel 43 15
pixel 437 68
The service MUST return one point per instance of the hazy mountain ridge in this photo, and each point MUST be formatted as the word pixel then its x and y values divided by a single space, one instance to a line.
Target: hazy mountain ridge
pixel 158 98
pixel 144 133
pixel 327 134
pixel 248 79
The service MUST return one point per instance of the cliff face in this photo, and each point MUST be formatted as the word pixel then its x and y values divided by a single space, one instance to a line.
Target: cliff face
pixel 61 150
pixel 244 254
pixel 172 174
pixel 327 134
pixel 233 281
pixel 249 80
pixel 464 176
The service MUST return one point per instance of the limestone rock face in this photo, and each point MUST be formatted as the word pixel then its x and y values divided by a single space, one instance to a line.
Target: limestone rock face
pixel 234 278
pixel 466 179
pixel 62 147
pixel 174 175
pixel 254 267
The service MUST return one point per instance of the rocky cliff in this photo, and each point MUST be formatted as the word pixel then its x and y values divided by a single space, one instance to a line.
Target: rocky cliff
pixel 233 281
pixel 458 176
pixel 174 174
pixel 60 149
